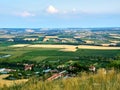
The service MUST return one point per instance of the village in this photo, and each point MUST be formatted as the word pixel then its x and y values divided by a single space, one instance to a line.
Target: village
pixel 45 72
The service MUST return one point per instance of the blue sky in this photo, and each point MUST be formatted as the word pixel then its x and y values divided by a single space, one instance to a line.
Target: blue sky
pixel 59 13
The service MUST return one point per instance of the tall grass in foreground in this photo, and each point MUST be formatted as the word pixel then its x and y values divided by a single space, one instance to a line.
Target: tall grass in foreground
pixel 99 81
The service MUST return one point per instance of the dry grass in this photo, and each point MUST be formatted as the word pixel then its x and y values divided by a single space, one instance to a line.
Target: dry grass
pixel 10 82
pixel 99 81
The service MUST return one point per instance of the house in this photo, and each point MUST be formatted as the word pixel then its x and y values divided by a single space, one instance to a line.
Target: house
pixel 6 70
pixel 2 69
pixel 92 68
pixel 28 67
pixel 47 70
pixel 57 75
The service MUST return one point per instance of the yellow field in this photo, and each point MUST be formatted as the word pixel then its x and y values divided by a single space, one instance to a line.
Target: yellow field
pixel 48 37
pixel 65 47
pixel 114 41
pixel 10 82
pixel 6 36
pixel 61 47
pixel 19 45
pixel 31 39
pixel 97 47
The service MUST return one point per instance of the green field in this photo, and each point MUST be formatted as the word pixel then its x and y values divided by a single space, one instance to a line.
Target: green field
pixel 84 56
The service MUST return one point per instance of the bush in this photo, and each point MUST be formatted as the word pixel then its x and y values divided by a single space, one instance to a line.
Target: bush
pixel 115 64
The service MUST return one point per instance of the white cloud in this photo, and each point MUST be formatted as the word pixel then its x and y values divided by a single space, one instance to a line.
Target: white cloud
pixel 25 14
pixel 51 9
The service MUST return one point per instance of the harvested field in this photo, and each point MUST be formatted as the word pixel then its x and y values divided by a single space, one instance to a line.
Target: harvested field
pixel 31 39
pixel 89 41
pixel 115 41
pixel 61 47
pixel 97 47
pixel 49 37
pixel 19 45
pixel 6 36
pixel 73 49
pixel 10 82
pixel 66 47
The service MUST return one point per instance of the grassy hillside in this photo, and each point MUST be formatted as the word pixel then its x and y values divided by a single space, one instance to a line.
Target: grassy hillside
pixel 84 81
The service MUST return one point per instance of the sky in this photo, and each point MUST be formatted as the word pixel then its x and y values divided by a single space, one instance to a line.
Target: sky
pixel 59 13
